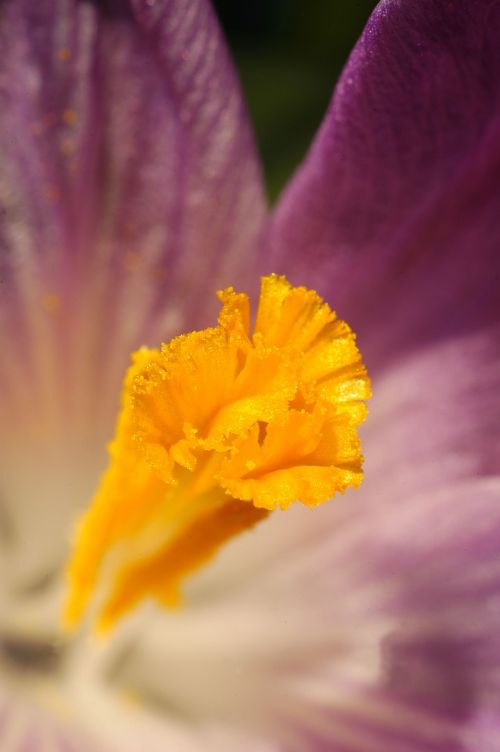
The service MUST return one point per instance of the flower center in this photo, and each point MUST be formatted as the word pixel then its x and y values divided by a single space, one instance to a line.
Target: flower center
pixel 217 429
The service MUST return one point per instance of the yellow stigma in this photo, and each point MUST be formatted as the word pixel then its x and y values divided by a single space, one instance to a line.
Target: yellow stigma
pixel 216 430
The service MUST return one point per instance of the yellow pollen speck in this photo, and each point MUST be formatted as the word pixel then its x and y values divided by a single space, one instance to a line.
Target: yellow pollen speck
pixel 64 54
pixel 132 261
pixel 51 302
pixel 68 146
pixel 217 429
pixel 70 117
pixel 52 192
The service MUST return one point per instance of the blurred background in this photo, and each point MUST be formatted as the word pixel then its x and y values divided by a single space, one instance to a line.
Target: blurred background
pixel 289 54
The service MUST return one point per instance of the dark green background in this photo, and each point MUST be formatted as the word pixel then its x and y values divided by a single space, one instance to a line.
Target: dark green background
pixel 289 54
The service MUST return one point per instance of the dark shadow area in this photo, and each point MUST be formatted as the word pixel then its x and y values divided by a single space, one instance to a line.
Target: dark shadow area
pixel 289 55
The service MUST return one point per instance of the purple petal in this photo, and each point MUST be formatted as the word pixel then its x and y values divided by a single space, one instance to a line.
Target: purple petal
pixel 394 214
pixel 130 182
pixel 442 656
pixel 434 419
pixel 129 191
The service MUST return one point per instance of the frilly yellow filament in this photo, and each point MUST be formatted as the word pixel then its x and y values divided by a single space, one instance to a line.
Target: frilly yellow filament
pixel 216 430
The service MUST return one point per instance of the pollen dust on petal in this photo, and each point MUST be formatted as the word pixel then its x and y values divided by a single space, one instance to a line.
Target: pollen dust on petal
pixel 69 117
pixel 51 302
pixel 64 54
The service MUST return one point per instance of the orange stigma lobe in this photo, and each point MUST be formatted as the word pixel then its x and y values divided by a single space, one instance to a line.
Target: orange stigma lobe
pixel 217 429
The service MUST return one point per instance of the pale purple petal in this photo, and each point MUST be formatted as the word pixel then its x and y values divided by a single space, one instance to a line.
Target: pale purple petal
pixel 129 191
pixel 26 726
pixel 442 657
pixel 129 180
pixel 395 213
pixel 434 418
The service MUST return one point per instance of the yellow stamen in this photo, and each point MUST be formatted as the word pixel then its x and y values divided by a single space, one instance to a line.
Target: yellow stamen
pixel 217 429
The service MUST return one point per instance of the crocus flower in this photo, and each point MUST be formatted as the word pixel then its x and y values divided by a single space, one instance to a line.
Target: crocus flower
pixel 129 192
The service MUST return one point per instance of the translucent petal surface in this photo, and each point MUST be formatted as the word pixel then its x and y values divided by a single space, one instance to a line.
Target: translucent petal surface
pixel 128 186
